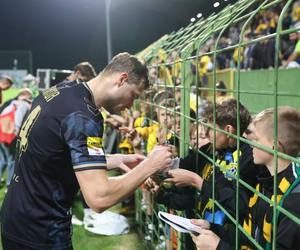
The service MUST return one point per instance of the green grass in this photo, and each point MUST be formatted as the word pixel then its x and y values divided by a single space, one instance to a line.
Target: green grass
pixel 83 240
pixel 86 241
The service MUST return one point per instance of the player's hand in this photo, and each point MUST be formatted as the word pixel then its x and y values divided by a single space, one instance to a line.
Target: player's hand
pixel 124 162
pixel 207 240
pixel 132 160
pixel 160 158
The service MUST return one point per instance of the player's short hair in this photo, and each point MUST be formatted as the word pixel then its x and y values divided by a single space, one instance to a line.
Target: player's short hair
pixel 124 62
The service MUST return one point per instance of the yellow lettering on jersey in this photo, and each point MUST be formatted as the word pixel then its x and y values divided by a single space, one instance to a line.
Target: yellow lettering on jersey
pixel 49 94
pixel 26 128
pixel 16 178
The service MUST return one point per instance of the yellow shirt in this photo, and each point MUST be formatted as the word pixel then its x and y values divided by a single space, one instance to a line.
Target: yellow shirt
pixel 152 141
pixel 236 55
pixel 204 61
pixel 152 138
pixel 126 145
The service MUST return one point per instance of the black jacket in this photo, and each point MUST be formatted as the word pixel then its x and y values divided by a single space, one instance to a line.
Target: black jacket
pixel 261 213
pixel 225 189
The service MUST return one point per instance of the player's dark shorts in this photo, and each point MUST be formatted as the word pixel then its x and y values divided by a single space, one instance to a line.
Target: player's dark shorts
pixel 8 244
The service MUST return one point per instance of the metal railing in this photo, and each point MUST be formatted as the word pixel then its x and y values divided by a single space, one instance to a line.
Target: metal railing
pixel 188 45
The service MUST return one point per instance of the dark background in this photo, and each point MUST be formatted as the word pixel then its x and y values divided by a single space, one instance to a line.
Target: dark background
pixel 61 33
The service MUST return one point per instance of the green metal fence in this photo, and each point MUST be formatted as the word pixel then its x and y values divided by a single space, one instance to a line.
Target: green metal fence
pixel 174 63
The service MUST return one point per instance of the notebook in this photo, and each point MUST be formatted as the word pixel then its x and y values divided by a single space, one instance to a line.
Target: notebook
pixel 179 223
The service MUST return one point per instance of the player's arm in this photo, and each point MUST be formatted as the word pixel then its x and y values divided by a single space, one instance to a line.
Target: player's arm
pixel 101 192
pixel 90 164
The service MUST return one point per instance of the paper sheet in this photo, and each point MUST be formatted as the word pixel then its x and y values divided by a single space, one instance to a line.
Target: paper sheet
pixel 179 223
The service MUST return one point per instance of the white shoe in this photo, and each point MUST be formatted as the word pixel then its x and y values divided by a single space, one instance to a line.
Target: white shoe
pixel 76 221
pixel 105 223
pixel 100 218
pixel 110 216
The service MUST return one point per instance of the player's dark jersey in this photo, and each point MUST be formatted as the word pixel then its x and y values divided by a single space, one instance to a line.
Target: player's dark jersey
pixel 67 83
pixel 62 135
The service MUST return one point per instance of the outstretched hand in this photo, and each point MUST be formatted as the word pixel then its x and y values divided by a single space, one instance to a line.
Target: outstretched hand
pixel 130 132
pixel 183 178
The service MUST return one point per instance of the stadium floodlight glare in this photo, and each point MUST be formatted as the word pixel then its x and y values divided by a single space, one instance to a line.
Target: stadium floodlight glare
pixel 193 19
pixel 199 15
pixel 216 4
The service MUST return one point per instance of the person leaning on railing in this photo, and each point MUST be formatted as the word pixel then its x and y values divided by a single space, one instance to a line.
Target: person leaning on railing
pixel 259 222
pixel 227 157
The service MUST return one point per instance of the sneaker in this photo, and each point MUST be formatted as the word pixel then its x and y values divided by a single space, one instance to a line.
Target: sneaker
pixel 76 221
pixel 105 223
pixel 105 217
pixel 110 216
